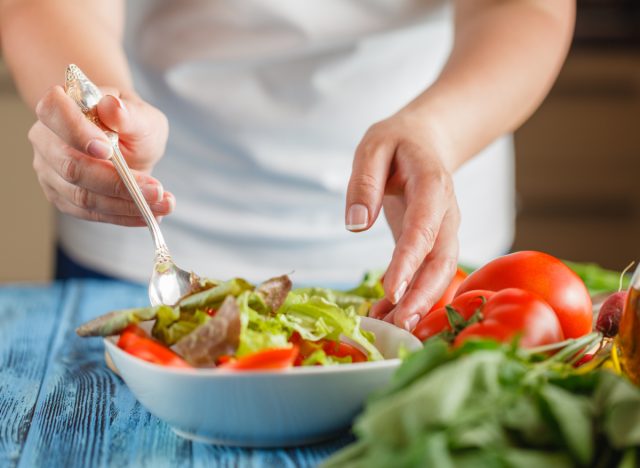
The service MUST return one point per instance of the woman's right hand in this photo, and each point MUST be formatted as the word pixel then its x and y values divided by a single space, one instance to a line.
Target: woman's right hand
pixel 70 156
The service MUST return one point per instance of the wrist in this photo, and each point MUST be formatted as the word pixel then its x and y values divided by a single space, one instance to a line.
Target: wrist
pixel 428 124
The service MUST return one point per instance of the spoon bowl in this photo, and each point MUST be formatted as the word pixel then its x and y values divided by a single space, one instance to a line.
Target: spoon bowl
pixel 168 282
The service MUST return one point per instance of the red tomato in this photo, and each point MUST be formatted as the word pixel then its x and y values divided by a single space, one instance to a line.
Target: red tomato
pixel 436 321
pixel 305 348
pixel 129 336
pixel 544 275
pixel 450 292
pixel 272 358
pixel 224 358
pixel 135 342
pixel 331 348
pixel 504 315
pixel 340 349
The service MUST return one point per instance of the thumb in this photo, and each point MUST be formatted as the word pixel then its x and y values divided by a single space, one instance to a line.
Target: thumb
pixel 131 118
pixel 366 185
pixel 142 128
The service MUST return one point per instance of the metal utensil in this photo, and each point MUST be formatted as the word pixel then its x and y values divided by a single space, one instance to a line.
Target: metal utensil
pixel 168 283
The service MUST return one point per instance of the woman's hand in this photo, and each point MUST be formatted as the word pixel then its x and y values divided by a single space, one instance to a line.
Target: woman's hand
pixel 70 156
pixel 403 164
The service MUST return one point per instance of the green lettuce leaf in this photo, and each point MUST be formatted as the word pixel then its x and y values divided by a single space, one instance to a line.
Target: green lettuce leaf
pixel 315 318
pixel 259 329
pixel 370 287
pixel 360 298
pixel 321 358
pixel 172 324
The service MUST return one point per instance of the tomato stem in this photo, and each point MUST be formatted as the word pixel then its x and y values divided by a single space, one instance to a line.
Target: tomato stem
pixel 621 279
pixel 578 348
pixel 564 344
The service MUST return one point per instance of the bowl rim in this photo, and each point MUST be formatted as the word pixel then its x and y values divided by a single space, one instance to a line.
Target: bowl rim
pixel 358 367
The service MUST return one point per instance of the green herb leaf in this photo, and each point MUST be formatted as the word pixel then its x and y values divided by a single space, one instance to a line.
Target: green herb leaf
pixel 572 415
pixel 434 353
pixel 618 402
pixel 489 404
pixel 598 280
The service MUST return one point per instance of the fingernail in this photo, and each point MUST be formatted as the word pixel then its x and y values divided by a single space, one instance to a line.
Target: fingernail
pixel 172 202
pixel 399 292
pixel 152 192
pixel 119 102
pixel 411 322
pixel 357 217
pixel 161 206
pixel 99 149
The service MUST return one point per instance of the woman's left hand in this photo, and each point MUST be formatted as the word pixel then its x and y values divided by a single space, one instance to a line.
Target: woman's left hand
pixel 404 164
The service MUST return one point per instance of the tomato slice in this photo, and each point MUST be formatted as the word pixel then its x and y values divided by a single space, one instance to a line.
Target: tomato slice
pixel 305 348
pixel 224 359
pixel 129 335
pixel 331 348
pixel 272 358
pixel 135 342
pixel 340 349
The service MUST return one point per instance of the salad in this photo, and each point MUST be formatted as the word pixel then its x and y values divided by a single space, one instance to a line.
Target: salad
pixel 236 325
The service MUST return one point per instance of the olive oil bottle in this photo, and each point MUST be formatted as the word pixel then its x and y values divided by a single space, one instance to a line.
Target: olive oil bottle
pixel 629 332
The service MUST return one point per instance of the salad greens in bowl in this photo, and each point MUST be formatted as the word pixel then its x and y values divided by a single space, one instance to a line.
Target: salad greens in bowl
pixel 262 366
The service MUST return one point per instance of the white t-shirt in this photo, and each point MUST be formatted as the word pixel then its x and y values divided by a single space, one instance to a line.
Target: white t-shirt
pixel 267 101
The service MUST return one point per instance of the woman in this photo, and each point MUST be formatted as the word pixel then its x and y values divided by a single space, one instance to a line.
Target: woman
pixel 268 102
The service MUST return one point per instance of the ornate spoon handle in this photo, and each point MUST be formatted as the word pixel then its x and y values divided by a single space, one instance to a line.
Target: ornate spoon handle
pixel 87 95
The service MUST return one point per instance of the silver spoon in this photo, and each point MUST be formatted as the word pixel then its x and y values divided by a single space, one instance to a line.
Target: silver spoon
pixel 168 283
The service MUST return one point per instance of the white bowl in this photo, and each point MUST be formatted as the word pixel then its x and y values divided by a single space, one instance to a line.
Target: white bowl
pixel 263 409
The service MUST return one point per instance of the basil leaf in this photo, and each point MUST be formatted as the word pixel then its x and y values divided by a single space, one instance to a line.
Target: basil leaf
pixel 572 415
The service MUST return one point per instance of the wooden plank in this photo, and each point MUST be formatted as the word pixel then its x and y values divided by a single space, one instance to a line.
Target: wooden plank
pixel 28 319
pixel 86 416
pixel 229 457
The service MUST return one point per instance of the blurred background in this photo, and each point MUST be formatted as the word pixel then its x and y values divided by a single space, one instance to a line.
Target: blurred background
pixel 577 167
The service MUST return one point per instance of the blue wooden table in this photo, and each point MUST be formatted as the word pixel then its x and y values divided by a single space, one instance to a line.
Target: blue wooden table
pixel 60 406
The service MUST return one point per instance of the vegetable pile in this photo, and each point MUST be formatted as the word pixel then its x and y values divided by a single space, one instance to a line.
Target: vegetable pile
pixel 512 375
pixel 236 325
pixel 515 370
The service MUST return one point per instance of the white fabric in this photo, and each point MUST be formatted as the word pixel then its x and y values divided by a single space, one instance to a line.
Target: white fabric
pixel 267 100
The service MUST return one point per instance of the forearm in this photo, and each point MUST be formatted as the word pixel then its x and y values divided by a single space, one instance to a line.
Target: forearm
pixel 39 38
pixel 506 56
